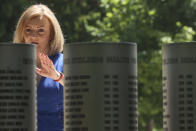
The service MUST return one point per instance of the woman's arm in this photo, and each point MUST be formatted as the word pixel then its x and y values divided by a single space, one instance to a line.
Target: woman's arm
pixel 48 70
pixel 59 78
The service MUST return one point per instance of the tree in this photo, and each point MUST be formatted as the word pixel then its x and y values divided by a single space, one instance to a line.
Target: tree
pixel 150 24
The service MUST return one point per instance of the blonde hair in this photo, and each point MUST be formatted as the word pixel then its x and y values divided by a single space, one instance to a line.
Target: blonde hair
pixel 57 41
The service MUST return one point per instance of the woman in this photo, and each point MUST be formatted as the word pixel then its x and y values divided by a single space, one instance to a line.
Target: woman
pixel 38 25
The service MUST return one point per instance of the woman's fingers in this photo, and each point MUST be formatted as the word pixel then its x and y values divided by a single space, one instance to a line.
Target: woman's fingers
pixel 44 60
pixel 41 72
pixel 47 67
pixel 38 71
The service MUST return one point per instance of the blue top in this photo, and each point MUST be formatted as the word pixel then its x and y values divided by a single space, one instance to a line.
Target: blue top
pixel 50 100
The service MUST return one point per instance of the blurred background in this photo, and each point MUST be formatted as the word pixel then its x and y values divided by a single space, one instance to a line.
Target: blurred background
pixel 149 23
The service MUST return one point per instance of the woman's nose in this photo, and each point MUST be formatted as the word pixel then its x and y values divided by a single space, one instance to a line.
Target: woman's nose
pixel 33 37
pixel 34 34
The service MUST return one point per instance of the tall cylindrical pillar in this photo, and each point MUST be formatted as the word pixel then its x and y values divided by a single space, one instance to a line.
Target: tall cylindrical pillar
pixel 100 92
pixel 17 87
pixel 179 91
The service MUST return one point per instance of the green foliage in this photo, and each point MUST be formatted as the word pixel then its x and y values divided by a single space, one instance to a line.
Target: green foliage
pixel 150 90
pixel 9 12
pixel 149 24
pixel 72 16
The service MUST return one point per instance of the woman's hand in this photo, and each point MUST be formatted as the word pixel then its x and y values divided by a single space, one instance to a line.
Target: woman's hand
pixel 47 68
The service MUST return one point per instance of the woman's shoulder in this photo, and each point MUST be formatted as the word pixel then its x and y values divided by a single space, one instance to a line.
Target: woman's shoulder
pixel 58 57
pixel 58 54
pixel 58 61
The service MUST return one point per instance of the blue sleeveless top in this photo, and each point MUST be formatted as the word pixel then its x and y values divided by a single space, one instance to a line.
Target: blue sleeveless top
pixel 50 100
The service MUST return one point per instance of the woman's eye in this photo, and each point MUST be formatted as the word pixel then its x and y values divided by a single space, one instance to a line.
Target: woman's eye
pixel 28 30
pixel 41 30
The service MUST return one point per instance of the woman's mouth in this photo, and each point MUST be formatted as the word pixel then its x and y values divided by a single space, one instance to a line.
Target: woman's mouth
pixel 35 43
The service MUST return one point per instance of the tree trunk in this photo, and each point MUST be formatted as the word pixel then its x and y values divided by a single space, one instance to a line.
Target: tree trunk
pixel 150 125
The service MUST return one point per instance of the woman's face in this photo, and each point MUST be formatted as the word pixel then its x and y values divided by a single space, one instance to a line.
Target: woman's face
pixel 37 31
